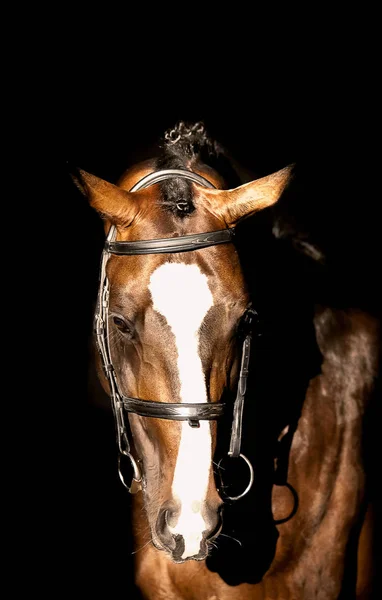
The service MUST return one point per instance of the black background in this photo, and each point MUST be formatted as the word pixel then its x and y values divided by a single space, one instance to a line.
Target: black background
pixel 98 114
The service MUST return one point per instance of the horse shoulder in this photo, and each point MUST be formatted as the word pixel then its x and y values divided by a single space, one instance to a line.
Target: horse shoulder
pixel 320 547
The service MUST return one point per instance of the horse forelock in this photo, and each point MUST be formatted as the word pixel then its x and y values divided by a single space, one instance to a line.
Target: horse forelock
pixel 186 146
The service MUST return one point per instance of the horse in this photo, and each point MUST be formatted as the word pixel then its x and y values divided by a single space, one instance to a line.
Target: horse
pixel 240 408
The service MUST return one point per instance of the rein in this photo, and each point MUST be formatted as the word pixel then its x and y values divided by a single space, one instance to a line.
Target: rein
pixel 191 412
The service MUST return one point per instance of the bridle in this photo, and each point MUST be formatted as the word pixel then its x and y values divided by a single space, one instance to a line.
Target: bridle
pixel 193 413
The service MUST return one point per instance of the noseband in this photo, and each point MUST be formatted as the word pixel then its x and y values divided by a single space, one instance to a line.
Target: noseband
pixel 193 413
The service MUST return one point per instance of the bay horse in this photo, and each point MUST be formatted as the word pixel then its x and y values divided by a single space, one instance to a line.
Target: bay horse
pixel 241 413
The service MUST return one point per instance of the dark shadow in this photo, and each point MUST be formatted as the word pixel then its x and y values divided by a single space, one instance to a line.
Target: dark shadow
pixel 284 357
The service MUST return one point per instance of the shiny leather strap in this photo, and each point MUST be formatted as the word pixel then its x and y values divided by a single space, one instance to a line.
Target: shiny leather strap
pixel 178 244
pixel 159 176
pixel 174 411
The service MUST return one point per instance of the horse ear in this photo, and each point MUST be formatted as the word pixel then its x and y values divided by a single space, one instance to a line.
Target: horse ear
pixel 241 202
pixel 110 201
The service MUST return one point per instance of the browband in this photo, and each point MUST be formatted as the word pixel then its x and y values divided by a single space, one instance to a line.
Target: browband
pixel 179 244
pixel 182 243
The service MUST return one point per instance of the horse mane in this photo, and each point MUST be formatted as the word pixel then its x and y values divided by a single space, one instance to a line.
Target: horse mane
pixel 183 146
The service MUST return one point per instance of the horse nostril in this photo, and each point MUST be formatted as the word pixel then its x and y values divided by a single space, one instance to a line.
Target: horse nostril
pixel 166 518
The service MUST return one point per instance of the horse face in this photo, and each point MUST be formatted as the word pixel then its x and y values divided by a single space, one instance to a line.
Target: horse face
pixel 172 326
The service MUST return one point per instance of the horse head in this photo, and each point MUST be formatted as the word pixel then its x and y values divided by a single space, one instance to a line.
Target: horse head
pixel 172 317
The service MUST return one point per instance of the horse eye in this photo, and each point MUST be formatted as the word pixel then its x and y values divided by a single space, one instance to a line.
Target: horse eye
pixel 122 325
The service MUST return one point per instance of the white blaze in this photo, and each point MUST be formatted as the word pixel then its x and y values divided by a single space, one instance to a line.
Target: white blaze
pixel 181 294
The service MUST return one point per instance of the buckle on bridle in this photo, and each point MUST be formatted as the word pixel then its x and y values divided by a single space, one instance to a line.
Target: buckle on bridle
pixel 249 323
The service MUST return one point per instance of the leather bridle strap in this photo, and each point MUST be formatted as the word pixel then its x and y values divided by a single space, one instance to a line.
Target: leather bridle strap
pixel 248 319
pixel 178 244
pixel 173 411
